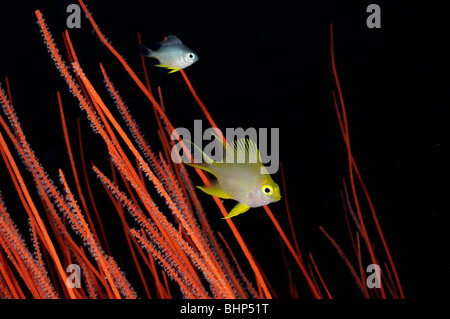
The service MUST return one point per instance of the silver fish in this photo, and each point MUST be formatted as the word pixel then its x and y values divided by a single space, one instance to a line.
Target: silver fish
pixel 172 54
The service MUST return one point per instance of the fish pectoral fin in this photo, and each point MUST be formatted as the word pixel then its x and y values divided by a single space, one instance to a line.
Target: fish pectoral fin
pixel 214 190
pixel 238 209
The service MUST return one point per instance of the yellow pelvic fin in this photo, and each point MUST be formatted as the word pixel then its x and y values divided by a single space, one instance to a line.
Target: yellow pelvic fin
pixel 167 67
pixel 238 209
pixel 174 70
pixel 214 190
pixel 162 66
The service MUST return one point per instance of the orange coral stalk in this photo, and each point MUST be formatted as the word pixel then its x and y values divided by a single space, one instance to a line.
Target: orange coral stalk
pixel 342 117
pixel 171 128
pixel 320 276
pixel 313 287
pixel 72 164
pixel 46 238
pixel 80 225
pixel 347 262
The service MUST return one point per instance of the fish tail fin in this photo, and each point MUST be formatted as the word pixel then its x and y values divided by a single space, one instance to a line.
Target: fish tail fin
pixel 144 51
pixel 199 155
pixel 200 159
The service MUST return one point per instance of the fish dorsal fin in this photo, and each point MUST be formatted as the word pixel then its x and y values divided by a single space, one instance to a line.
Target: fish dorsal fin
pixel 171 39
pixel 243 150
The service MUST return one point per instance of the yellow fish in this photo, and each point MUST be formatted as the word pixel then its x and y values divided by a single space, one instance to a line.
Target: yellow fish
pixel 240 176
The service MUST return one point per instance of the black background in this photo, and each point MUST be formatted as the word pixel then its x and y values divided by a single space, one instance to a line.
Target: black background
pixel 267 64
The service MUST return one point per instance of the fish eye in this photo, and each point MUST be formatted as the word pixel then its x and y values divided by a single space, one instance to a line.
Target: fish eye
pixel 267 190
pixel 191 56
